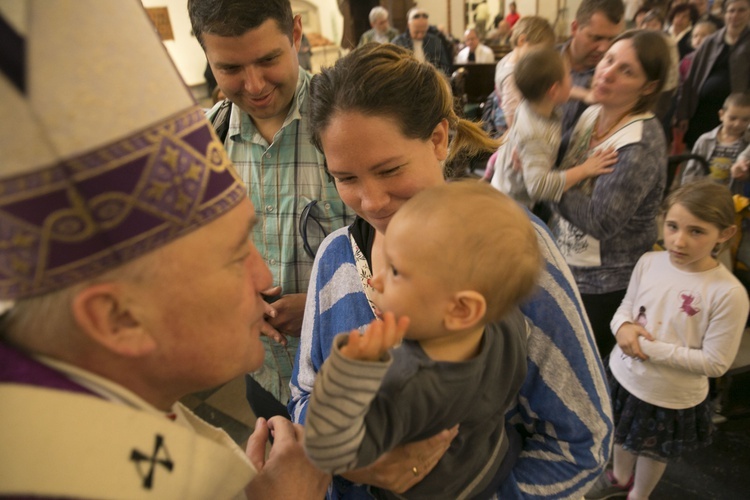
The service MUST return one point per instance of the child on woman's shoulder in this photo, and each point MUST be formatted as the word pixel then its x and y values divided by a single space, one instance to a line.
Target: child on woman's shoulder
pixel 543 77
pixel 681 321
pixel 529 33
pixel 722 146
pixel 459 280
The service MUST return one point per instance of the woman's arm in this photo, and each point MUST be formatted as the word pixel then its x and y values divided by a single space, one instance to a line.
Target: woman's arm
pixel 720 343
pixel 564 403
pixel 616 197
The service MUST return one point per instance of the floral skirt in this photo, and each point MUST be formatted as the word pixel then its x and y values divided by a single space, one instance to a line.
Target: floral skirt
pixel 658 433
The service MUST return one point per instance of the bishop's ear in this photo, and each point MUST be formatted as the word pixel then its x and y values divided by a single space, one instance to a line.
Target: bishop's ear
pixel 106 316
pixel 466 311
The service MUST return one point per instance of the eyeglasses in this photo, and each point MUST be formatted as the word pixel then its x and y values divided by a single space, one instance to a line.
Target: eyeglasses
pixel 304 218
pixel 422 15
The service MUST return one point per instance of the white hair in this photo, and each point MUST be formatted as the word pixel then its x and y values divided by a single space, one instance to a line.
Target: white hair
pixel 377 13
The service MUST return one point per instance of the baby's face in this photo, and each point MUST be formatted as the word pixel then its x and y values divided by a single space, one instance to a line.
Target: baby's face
pixel 409 283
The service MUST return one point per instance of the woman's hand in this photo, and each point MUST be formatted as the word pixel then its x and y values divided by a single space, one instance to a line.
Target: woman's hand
pixel 627 339
pixel 379 337
pixel 599 162
pixel 406 465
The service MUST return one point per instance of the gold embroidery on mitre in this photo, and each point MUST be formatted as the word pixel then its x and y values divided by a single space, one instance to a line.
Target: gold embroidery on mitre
pixel 107 216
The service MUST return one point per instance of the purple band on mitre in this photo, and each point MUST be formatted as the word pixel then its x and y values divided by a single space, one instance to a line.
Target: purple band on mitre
pixel 81 217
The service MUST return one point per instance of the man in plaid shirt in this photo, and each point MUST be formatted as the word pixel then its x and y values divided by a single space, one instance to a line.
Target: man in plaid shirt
pixel 251 46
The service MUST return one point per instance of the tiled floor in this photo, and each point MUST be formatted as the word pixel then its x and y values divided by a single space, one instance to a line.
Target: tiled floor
pixel 720 472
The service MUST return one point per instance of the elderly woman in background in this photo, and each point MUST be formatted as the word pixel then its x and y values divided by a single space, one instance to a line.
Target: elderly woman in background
pixel 720 67
pixel 681 20
pixel 605 224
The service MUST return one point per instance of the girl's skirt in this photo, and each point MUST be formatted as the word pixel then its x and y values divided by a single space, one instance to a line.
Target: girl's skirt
pixel 658 433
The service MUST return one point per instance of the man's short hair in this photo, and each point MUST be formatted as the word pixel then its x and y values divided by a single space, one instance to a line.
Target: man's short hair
pixel 377 13
pixel 233 18
pixel 737 99
pixel 613 10
pixel 537 71
pixel 683 7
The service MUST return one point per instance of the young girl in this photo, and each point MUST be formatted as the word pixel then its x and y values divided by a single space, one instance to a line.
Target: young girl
pixel 680 322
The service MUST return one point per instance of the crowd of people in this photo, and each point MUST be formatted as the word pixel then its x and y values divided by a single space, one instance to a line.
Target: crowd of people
pixel 403 334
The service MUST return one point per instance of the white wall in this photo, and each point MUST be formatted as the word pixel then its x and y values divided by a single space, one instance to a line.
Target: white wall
pixel 185 50
pixel 438 10
pixel 190 61
pixel 187 54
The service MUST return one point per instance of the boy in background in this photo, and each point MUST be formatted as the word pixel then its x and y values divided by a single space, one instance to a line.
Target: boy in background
pixel 722 146
pixel 465 338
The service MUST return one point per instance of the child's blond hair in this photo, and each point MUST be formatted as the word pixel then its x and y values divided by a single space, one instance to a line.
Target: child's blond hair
pixel 482 239
pixel 537 30
pixel 537 71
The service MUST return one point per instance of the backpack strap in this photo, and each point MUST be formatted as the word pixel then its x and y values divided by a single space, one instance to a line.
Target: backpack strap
pixel 220 120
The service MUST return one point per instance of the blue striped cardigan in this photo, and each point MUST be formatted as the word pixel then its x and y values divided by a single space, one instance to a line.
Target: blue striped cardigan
pixel 563 404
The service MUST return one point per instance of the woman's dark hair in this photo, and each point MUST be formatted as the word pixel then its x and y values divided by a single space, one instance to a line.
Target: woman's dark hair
pixel 641 10
pixel 679 9
pixel 652 52
pixel 386 80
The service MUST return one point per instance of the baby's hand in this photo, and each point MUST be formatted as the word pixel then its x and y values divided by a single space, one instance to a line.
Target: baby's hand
pixel 599 162
pixel 379 337
pixel 740 170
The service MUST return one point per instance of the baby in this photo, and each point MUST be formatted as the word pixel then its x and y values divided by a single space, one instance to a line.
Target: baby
pixel 458 278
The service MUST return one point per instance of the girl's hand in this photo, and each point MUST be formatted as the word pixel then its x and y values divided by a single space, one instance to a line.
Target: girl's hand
pixel 627 339
pixel 379 337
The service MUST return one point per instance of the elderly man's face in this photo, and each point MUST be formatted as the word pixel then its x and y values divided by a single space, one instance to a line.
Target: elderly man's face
pixel 471 40
pixel 380 25
pixel 418 25
pixel 203 304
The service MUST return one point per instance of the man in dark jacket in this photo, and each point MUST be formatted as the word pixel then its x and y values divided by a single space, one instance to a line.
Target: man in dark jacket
pixel 426 46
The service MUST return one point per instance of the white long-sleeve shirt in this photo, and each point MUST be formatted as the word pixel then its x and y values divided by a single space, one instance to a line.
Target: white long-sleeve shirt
pixel 696 319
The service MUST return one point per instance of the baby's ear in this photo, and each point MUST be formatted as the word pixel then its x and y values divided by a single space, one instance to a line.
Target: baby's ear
pixel 466 311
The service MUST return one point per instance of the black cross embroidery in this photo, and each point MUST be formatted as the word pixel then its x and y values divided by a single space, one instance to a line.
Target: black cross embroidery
pixel 153 460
